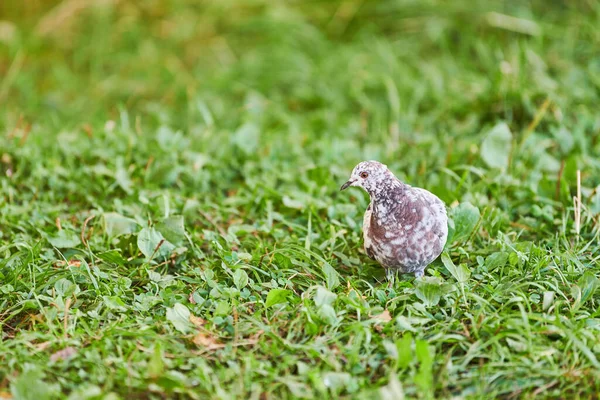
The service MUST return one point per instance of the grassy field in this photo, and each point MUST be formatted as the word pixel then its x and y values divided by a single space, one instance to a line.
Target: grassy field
pixel 171 225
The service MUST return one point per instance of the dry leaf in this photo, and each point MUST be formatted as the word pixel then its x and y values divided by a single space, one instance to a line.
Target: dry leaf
pixel 71 263
pixel 254 338
pixel 64 354
pixel 42 346
pixel 208 342
pixel 384 316
pixel 5 395
pixel 197 321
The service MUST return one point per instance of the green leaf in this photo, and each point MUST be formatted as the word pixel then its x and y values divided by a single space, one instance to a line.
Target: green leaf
pixel 404 324
pixel 122 176
pixel 277 296
pixel 88 392
pixel 116 224
pixel 548 300
pixel 293 203
pixel 331 276
pixel 149 240
pixel 30 386
pixel 423 353
pixel 64 239
pixel 246 137
pixel 112 257
pixel 547 162
pixel 496 147
pixel 424 378
pixel 65 287
pixel 429 290
pixel 390 349
pixel 588 284
pixel 324 300
pixel 460 273
pixel 517 345
pixel 172 228
pixel 114 303
pixel 595 204
pixel 405 354
pixel 179 316
pixel 336 381
pixel 223 308
pixel 240 278
pixel 156 365
pixel 154 276
pixel 172 380
pixel 324 297
pixel 298 390
pixel 564 139
pixel 393 390
pixel 465 217
pixel 328 314
pixel 6 289
pixel 495 260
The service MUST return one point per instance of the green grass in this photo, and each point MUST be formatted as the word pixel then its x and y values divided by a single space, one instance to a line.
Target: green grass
pixel 170 221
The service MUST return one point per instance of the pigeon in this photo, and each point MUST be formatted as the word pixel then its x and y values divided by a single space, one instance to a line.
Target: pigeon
pixel 405 228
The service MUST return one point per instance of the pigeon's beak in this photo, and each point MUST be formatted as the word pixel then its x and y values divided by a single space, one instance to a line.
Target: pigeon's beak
pixel 346 185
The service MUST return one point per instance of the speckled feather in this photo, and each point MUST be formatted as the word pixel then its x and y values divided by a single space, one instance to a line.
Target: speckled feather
pixel 404 228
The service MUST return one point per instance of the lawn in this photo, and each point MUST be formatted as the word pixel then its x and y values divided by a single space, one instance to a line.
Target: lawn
pixel 171 224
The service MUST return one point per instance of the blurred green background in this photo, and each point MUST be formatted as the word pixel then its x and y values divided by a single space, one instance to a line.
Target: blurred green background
pixel 481 60
pixel 244 117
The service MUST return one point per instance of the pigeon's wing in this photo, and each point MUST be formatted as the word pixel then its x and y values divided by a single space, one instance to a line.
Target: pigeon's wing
pixel 423 228
pixel 437 211
pixel 366 230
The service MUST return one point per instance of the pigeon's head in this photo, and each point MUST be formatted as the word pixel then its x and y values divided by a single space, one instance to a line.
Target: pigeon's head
pixel 370 175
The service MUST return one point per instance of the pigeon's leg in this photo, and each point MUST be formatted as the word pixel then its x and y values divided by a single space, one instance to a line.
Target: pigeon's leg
pixel 419 273
pixel 391 274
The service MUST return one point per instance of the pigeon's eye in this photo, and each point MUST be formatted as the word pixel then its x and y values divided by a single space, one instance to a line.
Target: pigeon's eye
pixel 364 175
